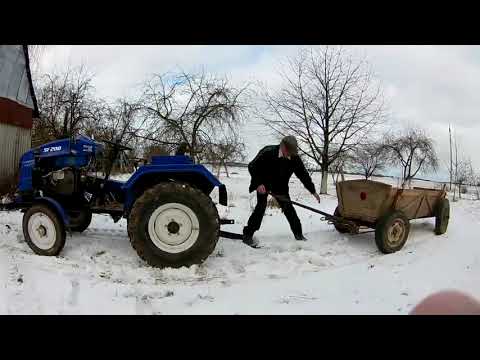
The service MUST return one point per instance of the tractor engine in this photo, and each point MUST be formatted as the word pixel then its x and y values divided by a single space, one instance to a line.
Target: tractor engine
pixel 60 169
pixel 65 183
pixel 62 182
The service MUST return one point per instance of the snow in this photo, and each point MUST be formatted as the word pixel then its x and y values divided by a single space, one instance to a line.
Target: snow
pixel 98 271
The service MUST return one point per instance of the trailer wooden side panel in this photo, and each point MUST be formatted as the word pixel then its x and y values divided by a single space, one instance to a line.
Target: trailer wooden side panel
pixel 363 199
pixel 418 203
pixel 367 201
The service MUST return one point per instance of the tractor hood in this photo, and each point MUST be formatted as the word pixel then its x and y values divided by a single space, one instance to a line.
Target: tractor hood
pixel 81 146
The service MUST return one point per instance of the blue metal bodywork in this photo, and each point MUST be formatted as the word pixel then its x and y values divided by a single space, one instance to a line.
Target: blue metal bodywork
pixel 27 162
pixel 59 154
pixel 56 205
pixel 168 165
pixel 78 152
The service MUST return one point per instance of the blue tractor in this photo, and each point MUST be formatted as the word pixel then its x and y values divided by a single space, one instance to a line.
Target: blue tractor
pixel 172 221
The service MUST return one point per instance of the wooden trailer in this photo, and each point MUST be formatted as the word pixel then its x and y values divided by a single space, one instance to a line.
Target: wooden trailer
pixel 388 210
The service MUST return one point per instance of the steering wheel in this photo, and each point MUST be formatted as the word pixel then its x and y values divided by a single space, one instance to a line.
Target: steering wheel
pixel 120 147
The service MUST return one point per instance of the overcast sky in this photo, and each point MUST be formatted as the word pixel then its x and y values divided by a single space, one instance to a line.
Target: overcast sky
pixel 430 86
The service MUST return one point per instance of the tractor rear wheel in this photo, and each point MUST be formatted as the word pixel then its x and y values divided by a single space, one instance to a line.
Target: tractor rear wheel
pixel 442 216
pixel 44 230
pixel 391 231
pixel 80 219
pixel 173 225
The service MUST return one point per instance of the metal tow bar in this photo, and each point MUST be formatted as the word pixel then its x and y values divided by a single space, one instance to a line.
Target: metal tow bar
pixel 350 225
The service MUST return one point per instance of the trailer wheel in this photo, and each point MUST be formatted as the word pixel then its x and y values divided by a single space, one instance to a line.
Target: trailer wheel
pixel 341 229
pixel 442 216
pixel 80 219
pixel 391 232
pixel 44 230
pixel 173 225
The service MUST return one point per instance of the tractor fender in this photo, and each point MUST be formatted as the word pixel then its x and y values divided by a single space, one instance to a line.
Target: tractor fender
pixel 56 206
pixel 173 169
pixel 208 180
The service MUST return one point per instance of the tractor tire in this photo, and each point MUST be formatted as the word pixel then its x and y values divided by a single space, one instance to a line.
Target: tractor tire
pixel 442 216
pixel 391 232
pixel 173 225
pixel 44 230
pixel 80 220
pixel 341 229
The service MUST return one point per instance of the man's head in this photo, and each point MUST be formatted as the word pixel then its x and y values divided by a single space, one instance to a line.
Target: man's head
pixel 289 146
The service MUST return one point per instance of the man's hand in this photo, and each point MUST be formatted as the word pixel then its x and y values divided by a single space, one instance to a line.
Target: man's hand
pixel 261 189
pixel 316 196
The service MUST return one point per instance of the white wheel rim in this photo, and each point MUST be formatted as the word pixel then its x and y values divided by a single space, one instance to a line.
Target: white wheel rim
pixel 41 230
pixel 173 228
pixel 396 232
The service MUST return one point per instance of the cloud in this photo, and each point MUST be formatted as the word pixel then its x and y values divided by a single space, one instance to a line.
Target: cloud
pixel 430 86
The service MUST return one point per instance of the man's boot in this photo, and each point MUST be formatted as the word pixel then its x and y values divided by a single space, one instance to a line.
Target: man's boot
pixel 300 237
pixel 249 240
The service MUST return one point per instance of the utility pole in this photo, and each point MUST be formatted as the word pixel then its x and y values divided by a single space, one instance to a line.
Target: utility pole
pixel 451 158
pixel 456 168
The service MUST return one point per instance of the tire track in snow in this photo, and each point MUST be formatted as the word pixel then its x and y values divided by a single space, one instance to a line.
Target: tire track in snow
pixel 16 302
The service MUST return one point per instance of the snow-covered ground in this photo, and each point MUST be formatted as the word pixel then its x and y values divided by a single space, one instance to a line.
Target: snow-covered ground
pixel 98 272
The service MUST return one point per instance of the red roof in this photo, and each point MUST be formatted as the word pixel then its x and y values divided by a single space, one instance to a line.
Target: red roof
pixel 17 96
pixel 13 113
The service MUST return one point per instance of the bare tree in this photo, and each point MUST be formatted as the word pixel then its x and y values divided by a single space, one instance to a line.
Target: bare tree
pixel 413 150
pixel 369 159
pixel 192 108
pixel 120 122
pixel 475 181
pixel 155 150
pixel 337 167
pixel 462 171
pixel 219 154
pixel 464 175
pixel 329 101
pixel 64 102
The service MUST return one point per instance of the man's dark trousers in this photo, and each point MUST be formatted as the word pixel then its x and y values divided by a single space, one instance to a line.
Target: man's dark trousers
pixel 255 219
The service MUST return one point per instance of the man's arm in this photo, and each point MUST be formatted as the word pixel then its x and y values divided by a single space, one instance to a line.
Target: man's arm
pixel 256 168
pixel 302 174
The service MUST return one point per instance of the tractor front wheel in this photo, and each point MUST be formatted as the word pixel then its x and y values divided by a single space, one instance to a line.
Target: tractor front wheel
pixel 80 219
pixel 44 230
pixel 173 225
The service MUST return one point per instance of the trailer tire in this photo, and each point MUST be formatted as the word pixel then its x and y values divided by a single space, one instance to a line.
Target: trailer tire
pixel 391 232
pixel 341 229
pixel 173 225
pixel 44 230
pixel 80 219
pixel 442 216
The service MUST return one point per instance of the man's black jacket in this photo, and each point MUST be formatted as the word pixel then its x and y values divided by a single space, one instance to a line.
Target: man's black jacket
pixel 274 172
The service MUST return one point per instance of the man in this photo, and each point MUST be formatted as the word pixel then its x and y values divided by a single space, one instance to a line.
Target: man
pixel 270 171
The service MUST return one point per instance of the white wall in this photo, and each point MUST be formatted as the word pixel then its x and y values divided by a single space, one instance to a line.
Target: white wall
pixel 14 141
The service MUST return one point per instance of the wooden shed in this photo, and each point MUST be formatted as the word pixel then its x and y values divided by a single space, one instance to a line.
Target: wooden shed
pixel 18 108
